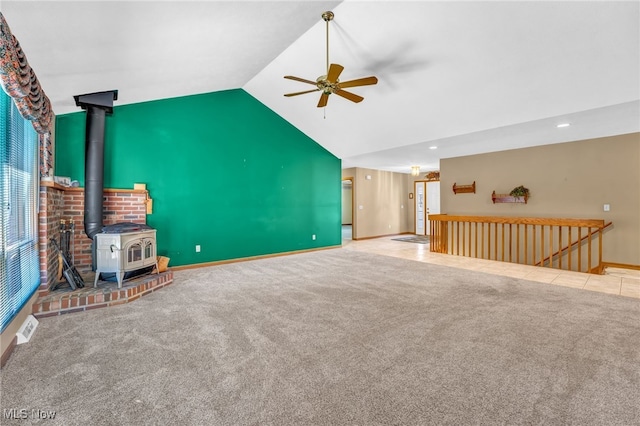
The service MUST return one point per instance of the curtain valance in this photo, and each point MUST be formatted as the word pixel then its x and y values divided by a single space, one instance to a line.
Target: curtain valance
pixel 20 82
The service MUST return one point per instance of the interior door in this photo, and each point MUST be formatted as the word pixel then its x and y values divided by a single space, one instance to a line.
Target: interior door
pixel 433 202
pixel 420 208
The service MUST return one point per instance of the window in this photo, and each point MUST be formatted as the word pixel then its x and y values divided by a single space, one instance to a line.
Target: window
pixel 19 261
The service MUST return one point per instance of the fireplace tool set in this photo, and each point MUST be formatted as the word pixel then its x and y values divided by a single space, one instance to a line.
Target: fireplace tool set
pixel 64 248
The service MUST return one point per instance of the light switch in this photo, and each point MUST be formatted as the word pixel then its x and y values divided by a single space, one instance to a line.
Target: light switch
pixel 607 207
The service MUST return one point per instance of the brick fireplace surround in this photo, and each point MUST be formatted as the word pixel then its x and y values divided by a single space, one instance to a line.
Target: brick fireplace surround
pixel 67 203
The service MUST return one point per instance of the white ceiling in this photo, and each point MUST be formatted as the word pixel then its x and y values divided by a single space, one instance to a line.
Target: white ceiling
pixel 467 77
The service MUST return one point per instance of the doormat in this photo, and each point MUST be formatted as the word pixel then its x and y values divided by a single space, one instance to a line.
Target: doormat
pixel 420 239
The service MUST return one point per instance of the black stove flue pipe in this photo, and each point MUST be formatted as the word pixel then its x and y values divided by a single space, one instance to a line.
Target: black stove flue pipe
pixel 97 105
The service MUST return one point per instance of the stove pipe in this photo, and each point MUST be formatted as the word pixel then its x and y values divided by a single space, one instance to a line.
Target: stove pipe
pixel 97 105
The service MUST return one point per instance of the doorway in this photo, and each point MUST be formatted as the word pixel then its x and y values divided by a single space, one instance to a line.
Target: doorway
pixel 426 202
pixel 347 209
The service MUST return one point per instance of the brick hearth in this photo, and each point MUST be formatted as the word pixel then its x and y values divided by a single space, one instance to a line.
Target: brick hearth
pixel 66 203
pixel 64 301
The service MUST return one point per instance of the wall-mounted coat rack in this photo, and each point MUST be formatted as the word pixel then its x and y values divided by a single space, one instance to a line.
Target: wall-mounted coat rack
pixel 464 189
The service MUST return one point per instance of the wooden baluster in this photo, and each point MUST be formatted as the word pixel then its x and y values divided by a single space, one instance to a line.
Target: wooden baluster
pixel 534 245
pixel 518 243
pixel 526 244
pixel 458 238
pixel 502 237
pixel 541 245
pixel 495 240
pixel 600 268
pixel 430 230
pixel 579 249
pixel 475 229
pixel 464 245
pixel 444 237
pixel 569 252
pixel 469 239
pixel 451 246
pixel 432 239
pixel 510 242
pixel 589 252
pixel 550 246
pixel 482 237
pixel 559 247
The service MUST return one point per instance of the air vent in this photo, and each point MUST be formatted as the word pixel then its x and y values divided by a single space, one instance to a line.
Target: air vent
pixel 27 329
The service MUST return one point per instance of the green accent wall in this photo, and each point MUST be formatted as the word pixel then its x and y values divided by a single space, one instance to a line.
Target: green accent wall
pixel 223 170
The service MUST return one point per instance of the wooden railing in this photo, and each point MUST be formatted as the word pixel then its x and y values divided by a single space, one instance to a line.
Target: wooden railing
pixel 556 243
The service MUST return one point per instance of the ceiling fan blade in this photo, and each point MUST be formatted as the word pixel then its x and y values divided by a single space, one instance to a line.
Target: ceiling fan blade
pixel 300 93
pixel 334 72
pixel 366 81
pixel 290 77
pixel 348 95
pixel 324 98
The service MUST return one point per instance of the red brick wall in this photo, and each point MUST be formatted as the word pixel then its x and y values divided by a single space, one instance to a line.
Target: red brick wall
pixel 51 207
pixel 120 205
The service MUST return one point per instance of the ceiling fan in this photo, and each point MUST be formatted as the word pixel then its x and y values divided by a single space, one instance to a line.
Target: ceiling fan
pixel 329 83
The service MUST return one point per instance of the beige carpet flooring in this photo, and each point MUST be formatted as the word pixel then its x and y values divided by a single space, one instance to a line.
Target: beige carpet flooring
pixel 337 337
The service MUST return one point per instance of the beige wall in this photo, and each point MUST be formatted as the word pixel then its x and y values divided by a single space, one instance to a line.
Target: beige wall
pixel 380 203
pixel 569 180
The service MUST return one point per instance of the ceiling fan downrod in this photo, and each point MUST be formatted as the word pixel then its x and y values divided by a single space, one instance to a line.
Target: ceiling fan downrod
pixel 327 16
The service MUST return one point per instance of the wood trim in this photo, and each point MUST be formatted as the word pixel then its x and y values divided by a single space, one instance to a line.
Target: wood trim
pixel 246 259
pixel 385 235
pixel 594 223
pixel 132 191
pixel 52 184
pixel 621 265
pixel 7 353
pixel 49 184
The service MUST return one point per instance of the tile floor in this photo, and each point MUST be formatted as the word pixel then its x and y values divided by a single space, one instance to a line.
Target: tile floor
pixel 622 282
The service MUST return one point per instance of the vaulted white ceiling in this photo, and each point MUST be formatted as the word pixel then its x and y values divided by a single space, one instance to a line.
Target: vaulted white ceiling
pixel 467 77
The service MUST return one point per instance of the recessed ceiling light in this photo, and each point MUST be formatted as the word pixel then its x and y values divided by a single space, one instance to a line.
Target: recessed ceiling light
pixel 561 125
pixel 433 147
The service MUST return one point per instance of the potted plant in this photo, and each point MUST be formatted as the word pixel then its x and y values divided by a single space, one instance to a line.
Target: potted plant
pixel 521 192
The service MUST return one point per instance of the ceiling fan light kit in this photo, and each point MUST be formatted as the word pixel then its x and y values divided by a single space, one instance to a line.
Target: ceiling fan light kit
pixel 329 83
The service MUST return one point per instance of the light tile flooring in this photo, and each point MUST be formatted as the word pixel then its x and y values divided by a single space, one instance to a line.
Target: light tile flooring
pixel 622 282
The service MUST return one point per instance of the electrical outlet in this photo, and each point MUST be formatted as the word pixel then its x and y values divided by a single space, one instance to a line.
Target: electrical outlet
pixel 607 207
pixel 313 237
pixel 198 248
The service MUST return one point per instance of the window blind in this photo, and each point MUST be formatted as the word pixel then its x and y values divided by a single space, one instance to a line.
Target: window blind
pixel 19 260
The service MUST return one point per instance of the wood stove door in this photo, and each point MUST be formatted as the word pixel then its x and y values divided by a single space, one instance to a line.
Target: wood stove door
pixel 149 252
pixel 134 259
